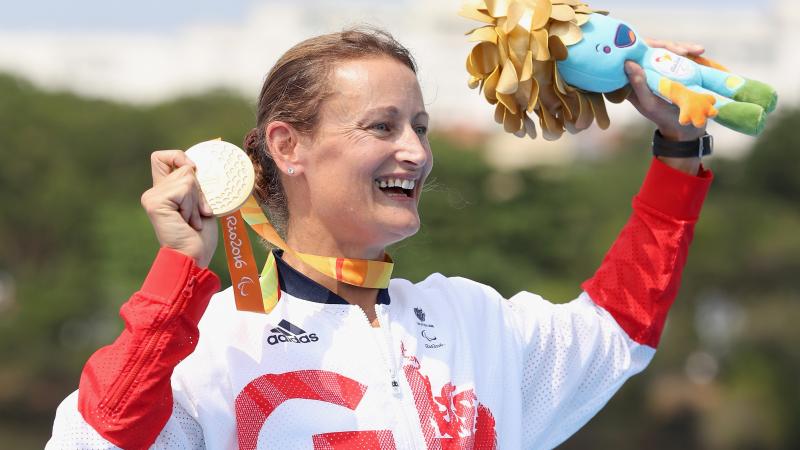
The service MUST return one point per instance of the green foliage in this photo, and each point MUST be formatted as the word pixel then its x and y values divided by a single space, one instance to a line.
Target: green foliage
pixel 775 168
pixel 75 243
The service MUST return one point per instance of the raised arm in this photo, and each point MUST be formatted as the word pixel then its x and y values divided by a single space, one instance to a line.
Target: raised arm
pixel 125 397
pixel 577 355
pixel 639 277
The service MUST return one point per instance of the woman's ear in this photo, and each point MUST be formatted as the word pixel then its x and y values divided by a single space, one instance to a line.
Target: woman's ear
pixel 283 144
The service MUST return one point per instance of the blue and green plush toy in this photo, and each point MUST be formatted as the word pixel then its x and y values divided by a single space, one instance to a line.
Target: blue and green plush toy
pixel 596 64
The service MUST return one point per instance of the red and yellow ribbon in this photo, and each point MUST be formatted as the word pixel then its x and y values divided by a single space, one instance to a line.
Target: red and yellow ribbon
pixel 262 297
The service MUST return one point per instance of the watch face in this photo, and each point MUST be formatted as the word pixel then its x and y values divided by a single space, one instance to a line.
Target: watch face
pixel 707 144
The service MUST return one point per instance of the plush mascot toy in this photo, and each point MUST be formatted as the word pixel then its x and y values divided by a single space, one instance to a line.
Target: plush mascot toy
pixel 558 59
pixel 596 64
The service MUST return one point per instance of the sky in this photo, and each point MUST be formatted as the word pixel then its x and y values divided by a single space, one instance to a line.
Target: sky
pixel 119 15
pixel 161 16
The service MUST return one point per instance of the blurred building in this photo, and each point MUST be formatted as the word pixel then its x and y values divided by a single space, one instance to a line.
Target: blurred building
pixel 148 67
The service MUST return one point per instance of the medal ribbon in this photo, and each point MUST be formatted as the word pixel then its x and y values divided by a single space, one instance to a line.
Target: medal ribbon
pixel 262 297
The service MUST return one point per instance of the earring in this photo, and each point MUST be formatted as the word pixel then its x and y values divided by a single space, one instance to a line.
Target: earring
pixel 290 170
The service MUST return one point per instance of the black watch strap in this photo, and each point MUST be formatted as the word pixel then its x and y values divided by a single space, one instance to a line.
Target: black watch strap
pixel 682 149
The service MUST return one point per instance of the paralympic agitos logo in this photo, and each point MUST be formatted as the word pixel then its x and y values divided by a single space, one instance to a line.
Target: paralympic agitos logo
pixel 287 332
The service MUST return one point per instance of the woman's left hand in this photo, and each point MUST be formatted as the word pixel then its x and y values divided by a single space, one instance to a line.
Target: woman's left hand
pixel 661 112
pixel 654 108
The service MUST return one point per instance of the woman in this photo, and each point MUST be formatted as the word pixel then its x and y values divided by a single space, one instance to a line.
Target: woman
pixel 444 363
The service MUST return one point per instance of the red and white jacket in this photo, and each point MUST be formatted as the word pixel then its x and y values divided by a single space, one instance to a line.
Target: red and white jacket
pixel 454 365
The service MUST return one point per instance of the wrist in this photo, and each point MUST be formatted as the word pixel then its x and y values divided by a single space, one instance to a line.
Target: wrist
pixel 685 165
pixel 682 134
pixel 683 155
pixel 694 148
pixel 172 270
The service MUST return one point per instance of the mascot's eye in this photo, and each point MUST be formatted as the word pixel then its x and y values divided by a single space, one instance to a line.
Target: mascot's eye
pixel 605 49
pixel 625 36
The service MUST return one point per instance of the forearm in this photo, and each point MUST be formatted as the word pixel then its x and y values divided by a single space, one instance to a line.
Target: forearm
pixel 690 166
pixel 125 391
pixel 640 275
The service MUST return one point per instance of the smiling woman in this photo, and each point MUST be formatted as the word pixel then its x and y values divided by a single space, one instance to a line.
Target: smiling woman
pixel 341 154
pixel 345 113
pixel 371 130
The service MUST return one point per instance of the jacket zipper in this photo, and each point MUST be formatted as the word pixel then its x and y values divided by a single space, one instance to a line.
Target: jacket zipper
pixel 116 395
pixel 394 367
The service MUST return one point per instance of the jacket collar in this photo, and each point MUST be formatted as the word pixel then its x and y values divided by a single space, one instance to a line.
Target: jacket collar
pixel 300 286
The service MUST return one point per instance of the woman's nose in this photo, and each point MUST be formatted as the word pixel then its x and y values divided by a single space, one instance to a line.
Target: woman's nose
pixel 413 148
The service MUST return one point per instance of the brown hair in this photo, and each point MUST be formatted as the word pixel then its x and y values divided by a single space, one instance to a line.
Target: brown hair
pixel 293 92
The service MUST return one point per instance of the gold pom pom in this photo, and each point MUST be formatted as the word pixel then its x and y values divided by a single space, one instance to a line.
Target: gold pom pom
pixel 514 65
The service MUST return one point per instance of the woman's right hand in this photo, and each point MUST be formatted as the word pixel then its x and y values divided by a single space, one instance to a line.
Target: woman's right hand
pixel 180 214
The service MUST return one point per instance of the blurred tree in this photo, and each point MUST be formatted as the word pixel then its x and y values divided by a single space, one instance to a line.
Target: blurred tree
pixel 772 168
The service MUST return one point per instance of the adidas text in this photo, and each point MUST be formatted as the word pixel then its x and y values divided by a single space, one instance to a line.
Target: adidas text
pixel 304 339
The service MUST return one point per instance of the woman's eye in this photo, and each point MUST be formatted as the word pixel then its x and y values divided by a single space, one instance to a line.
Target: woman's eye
pixel 421 130
pixel 382 127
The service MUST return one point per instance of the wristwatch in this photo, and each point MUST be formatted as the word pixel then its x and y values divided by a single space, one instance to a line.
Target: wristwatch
pixel 682 149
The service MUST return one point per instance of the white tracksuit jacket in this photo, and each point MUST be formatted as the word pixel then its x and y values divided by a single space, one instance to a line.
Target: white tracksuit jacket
pixel 453 364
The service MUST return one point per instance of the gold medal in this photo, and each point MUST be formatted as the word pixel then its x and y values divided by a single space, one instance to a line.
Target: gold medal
pixel 225 174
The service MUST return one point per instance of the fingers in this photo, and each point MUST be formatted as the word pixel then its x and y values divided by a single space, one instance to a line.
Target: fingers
pixel 185 194
pixel 643 98
pixel 188 190
pixel 205 207
pixel 680 48
pixel 193 207
pixel 164 162
pixel 178 192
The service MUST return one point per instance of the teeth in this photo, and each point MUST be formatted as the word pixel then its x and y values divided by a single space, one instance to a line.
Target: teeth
pixel 396 182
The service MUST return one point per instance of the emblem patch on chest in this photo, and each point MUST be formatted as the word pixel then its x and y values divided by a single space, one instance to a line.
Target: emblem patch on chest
pixel 420 314
pixel 427 333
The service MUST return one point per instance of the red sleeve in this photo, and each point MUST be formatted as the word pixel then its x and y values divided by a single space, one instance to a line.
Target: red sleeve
pixel 639 277
pixel 125 391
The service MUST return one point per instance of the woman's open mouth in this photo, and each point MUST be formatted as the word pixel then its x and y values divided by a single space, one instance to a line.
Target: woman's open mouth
pixel 396 187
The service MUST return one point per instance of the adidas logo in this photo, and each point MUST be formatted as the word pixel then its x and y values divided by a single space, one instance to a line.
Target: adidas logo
pixel 286 332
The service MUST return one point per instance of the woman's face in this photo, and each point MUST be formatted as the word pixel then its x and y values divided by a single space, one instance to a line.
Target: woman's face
pixel 366 163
